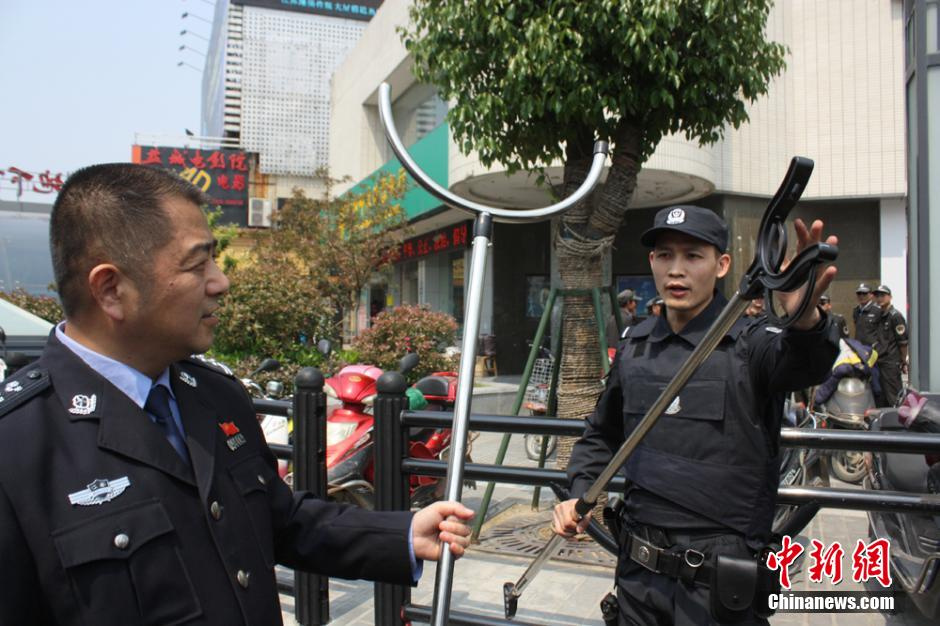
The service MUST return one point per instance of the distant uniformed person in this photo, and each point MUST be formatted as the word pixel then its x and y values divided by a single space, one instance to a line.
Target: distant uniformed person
pixel 826 303
pixel 626 300
pixel 891 344
pixel 654 306
pixel 135 483
pixel 703 482
pixel 865 315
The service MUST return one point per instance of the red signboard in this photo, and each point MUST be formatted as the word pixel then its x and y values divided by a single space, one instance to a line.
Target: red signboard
pixel 221 174
pixel 39 182
pixel 456 237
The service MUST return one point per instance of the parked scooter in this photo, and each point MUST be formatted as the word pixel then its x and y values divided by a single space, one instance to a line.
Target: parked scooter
pixel 350 431
pixel 914 537
pixel 276 428
pixel 799 467
pixel 846 400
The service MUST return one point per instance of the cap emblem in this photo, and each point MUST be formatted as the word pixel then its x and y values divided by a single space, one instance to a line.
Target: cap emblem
pixel 676 216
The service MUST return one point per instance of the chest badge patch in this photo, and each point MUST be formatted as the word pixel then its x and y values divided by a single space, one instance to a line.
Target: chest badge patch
pixel 188 378
pixel 674 407
pixel 99 491
pixel 83 405
pixel 234 438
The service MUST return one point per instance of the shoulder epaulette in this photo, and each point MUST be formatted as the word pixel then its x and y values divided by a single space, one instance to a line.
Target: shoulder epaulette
pixel 211 364
pixel 19 389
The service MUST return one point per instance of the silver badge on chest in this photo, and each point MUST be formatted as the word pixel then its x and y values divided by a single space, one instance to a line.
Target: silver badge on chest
pixel 99 491
pixel 188 378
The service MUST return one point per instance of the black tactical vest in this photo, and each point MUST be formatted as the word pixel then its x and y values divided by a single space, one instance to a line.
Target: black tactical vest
pixel 715 449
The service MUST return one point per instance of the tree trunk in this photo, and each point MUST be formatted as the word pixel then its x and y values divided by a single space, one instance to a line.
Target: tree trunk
pixel 581 238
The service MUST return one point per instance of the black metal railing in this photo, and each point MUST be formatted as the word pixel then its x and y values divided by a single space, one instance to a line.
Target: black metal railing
pixel 393 468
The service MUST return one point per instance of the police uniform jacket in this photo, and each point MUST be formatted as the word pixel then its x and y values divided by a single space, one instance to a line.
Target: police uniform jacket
pixel 102 522
pixel 711 462
pixel 867 323
pixel 891 335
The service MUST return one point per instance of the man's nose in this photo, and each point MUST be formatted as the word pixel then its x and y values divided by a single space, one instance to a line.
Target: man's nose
pixel 218 282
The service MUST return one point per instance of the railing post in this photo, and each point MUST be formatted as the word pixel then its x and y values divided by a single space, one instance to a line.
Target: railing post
pixel 311 591
pixel 391 485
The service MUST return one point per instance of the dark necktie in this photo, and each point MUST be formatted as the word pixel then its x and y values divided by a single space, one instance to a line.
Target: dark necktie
pixel 158 405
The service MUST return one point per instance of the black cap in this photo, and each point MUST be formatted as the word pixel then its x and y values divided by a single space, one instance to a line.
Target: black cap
pixel 693 221
pixel 824 298
pixel 862 288
pixel 883 289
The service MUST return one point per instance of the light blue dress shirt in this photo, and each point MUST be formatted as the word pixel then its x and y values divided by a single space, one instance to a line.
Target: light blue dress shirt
pixel 134 384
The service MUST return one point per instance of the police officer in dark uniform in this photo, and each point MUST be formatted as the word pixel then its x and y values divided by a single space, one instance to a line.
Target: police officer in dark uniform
pixel 135 483
pixel 626 300
pixel 866 315
pixel 825 304
pixel 891 344
pixel 703 482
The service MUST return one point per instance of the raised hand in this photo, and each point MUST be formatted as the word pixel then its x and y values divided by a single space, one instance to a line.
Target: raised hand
pixel 790 301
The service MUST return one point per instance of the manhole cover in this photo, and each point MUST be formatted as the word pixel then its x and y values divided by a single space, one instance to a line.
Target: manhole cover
pixel 526 534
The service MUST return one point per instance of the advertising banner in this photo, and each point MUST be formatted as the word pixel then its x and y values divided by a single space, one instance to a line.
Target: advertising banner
pixel 355 10
pixel 221 174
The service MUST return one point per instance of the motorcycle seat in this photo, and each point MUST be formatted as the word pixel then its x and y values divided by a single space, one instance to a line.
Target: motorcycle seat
pixel 433 386
pixel 906 472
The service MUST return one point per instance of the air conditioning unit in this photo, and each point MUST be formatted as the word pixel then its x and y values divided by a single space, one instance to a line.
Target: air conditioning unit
pixel 259 212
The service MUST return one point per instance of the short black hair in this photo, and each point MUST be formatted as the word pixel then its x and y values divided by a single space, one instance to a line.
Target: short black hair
pixel 111 213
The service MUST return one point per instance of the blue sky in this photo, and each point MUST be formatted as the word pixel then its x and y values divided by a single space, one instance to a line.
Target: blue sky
pixel 80 77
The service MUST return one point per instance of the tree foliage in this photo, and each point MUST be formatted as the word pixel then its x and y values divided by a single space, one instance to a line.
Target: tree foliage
pixel 526 76
pixel 342 242
pixel 306 272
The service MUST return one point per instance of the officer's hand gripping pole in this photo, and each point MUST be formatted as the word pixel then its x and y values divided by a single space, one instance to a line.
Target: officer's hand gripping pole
pixel 765 275
pixel 482 230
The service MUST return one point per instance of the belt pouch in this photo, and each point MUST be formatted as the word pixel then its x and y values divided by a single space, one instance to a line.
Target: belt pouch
pixel 613 519
pixel 768 583
pixel 734 581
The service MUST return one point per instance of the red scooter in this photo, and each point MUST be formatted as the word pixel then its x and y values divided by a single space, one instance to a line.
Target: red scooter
pixel 350 432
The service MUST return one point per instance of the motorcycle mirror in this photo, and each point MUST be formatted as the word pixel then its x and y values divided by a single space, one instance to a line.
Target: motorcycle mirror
pixel 408 362
pixel 267 365
pixel 324 347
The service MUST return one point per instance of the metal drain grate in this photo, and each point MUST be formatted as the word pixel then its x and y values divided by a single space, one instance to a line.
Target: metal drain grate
pixel 526 535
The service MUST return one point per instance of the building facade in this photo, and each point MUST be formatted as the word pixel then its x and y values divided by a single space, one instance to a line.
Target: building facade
pixel 266 88
pixel 840 101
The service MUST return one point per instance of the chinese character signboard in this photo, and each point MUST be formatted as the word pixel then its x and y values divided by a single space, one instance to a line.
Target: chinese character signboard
pixel 36 182
pixel 221 174
pixel 352 9
pixel 455 237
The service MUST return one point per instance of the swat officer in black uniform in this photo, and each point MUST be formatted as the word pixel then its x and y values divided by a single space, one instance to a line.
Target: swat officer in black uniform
pixel 866 315
pixel 891 343
pixel 135 484
pixel 703 482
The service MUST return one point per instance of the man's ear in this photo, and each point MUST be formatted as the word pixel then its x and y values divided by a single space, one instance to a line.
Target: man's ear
pixel 724 264
pixel 108 288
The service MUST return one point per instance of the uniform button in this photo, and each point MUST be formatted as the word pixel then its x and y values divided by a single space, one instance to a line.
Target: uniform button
pixel 121 541
pixel 242 577
pixel 262 480
pixel 215 509
pixel 33 375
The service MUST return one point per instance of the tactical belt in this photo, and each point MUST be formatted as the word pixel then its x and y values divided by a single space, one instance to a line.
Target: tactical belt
pixel 688 565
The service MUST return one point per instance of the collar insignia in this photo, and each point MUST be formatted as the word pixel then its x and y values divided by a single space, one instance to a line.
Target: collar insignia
pixel 83 405
pixel 676 216
pixel 99 491
pixel 188 378
pixel 674 408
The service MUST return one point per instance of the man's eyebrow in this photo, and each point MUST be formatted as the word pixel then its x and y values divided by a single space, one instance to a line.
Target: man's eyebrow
pixel 206 247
